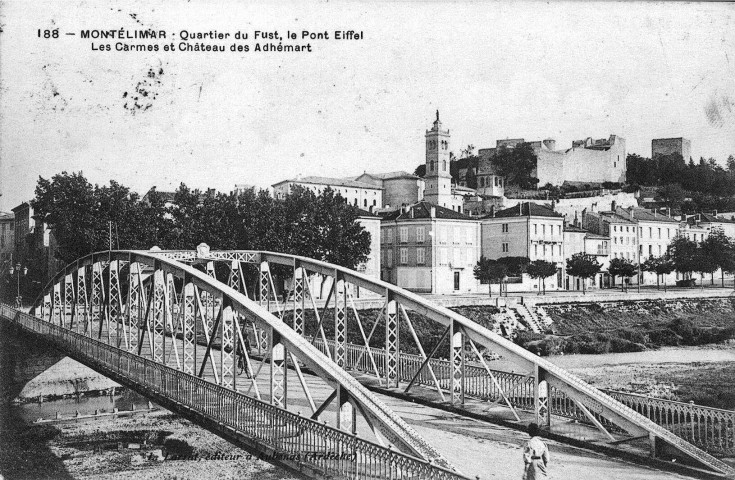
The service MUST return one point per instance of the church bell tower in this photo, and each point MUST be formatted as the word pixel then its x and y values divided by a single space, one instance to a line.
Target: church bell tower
pixel 438 180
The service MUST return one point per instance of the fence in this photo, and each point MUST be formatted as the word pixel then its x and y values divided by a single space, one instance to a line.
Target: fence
pixel 710 429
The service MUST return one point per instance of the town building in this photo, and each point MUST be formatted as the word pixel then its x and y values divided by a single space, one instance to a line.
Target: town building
pixel 439 189
pixel 431 249
pixel 578 240
pixel 360 194
pixel 399 188
pixel 7 239
pixel 34 246
pixel 655 232
pixel 668 146
pixel 526 230
pixel 712 222
pixel 619 228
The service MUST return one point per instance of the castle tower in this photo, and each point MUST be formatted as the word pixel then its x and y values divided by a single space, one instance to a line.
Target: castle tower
pixel 438 180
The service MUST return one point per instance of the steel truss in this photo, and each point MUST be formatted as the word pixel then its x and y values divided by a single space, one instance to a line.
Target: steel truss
pixel 462 337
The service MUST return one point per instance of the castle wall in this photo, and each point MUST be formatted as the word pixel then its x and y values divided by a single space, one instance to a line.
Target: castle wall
pixel 581 164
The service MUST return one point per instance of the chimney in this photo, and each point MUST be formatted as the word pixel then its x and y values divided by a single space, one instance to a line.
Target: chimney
pixel 520 208
pixel 613 206
pixel 410 211
pixel 492 210
pixel 432 212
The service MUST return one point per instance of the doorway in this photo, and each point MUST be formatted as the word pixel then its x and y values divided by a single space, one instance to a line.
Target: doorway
pixel 456 280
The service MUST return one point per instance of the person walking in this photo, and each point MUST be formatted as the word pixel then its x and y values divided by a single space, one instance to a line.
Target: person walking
pixel 535 455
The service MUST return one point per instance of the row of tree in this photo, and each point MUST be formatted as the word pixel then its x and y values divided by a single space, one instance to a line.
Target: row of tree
pixel 705 176
pixel 685 256
pixel 86 218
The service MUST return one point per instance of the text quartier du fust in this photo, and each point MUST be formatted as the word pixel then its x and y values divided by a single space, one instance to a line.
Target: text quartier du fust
pixel 211 41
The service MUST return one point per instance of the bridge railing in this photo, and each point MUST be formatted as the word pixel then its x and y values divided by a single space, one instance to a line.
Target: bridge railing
pixel 295 440
pixel 711 429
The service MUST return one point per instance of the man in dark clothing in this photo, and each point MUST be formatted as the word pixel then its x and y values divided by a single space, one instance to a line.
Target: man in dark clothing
pixel 535 455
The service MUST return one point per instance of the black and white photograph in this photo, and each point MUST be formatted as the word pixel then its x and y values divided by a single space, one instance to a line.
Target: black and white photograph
pixel 448 240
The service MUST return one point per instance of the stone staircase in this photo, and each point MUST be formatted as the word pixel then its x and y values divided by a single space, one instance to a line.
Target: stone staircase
pixel 530 318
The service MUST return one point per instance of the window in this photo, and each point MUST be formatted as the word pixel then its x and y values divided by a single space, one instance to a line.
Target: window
pixel 650 232
pixel 364 202
pixel 668 233
pixel 443 256
pixel 615 240
pixel 505 228
pixel 659 233
pixel 505 247
pixel 420 256
pixel 627 229
pixel 404 256
pixel 457 261
pixel 650 250
pixel 558 232
pixel 420 234
pixel 615 228
pixel 443 234
pixel 659 250
pixel 535 229
pixel 389 259
pixel 404 234
pixel 535 250
pixel 457 235
pixel 543 230
pixel 470 236
pixel 470 257
pixel 389 235
pixel 544 250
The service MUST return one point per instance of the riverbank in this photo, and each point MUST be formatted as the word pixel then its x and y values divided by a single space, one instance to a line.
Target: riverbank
pixel 702 374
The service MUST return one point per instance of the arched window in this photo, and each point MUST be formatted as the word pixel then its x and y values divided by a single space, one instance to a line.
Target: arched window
pixel 355 202
pixel 365 202
pixel 431 165
pixel 374 202
pixel 444 165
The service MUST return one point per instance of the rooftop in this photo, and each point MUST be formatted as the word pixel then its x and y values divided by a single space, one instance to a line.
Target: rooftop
pixel 6 216
pixel 391 175
pixel 423 210
pixel 526 209
pixel 337 182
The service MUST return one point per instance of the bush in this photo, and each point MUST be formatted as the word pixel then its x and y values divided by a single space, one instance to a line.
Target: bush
pixel 690 282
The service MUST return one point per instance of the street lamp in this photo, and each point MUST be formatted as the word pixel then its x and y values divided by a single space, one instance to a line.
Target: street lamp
pixel 18 299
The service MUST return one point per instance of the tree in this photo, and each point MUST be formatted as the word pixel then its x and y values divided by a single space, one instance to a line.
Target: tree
pixel 662 266
pixel 672 195
pixel 684 256
pixel 583 266
pixel 488 271
pixel 719 251
pixel 541 270
pixel 516 265
pixel 622 267
pixel 517 164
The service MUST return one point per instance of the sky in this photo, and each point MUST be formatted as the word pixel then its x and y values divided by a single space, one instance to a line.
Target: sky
pixel 494 70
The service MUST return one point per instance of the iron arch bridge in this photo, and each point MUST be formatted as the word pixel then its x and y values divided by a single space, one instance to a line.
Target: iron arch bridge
pixel 162 322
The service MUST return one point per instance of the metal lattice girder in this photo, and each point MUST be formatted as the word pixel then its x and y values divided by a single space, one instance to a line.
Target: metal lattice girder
pixel 392 344
pixel 458 359
pixel 158 316
pixel 57 307
pixel 340 322
pixel 208 301
pixel 279 371
pixel 170 309
pixel 135 304
pixel 46 308
pixel 298 300
pixel 228 346
pixel 98 293
pixel 82 305
pixel 189 330
pixel 69 300
pixel 234 278
pixel 114 302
